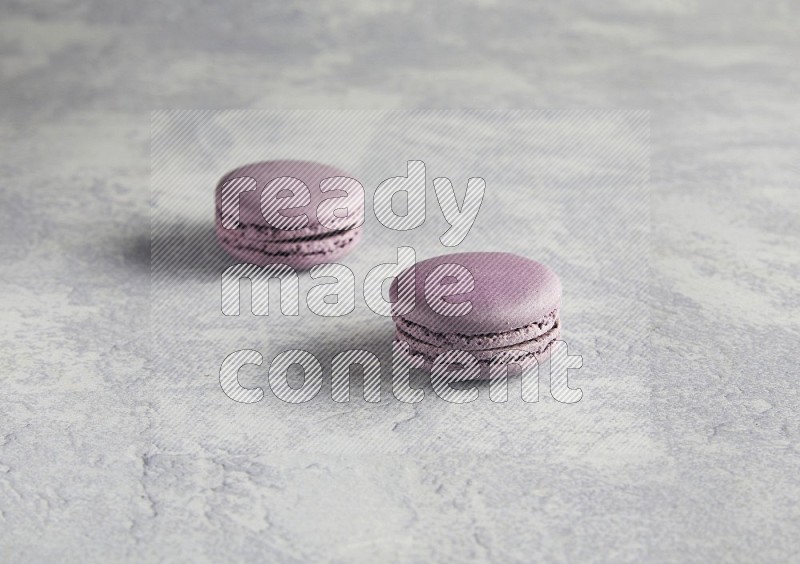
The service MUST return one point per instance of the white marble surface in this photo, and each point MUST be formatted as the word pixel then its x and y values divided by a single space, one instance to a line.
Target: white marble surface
pixel 100 461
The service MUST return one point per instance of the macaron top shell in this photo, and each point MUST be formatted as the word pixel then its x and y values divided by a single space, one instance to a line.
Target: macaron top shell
pixel 311 174
pixel 510 292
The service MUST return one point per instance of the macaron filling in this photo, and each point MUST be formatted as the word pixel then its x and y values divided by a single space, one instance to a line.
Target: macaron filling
pixel 477 341
pixel 304 246
pixel 252 230
pixel 502 352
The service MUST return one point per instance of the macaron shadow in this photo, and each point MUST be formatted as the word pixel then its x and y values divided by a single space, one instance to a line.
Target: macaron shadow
pixel 380 343
pixel 187 250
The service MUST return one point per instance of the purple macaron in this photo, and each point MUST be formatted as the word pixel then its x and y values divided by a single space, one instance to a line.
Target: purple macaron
pixel 298 213
pixel 508 312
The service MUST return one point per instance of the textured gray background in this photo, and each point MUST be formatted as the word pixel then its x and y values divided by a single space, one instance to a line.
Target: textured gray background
pixel 700 464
